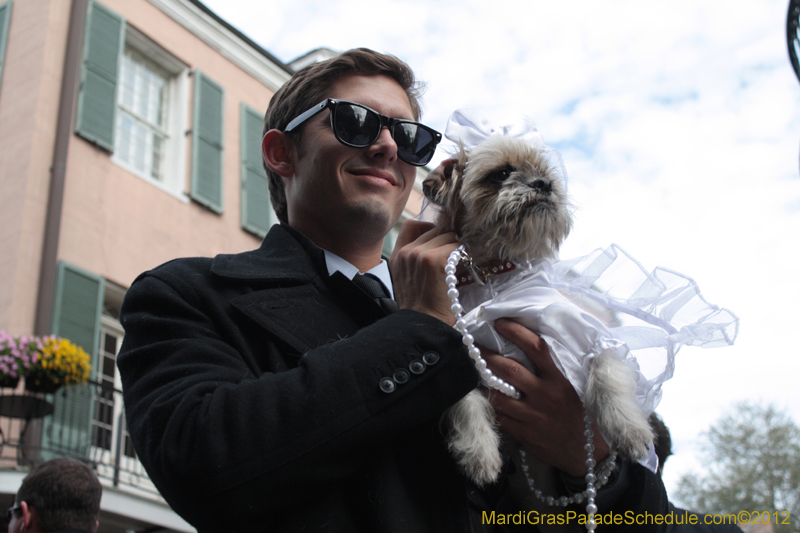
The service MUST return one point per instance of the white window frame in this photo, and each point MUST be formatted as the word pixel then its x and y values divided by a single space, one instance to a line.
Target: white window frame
pixel 110 326
pixel 178 102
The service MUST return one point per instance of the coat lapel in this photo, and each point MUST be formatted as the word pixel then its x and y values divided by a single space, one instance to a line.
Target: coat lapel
pixel 291 294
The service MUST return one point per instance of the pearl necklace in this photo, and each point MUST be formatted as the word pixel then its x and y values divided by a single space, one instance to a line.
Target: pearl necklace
pixel 489 379
pixel 593 482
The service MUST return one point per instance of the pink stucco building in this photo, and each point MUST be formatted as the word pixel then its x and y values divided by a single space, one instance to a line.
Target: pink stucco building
pixel 129 135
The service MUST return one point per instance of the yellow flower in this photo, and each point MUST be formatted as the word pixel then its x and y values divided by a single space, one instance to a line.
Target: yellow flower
pixel 62 361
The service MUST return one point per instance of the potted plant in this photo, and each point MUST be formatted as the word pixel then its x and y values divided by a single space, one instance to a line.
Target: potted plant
pixel 60 362
pixel 17 355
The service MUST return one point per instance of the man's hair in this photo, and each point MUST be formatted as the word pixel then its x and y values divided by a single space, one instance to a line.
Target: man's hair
pixel 662 442
pixel 65 494
pixel 310 86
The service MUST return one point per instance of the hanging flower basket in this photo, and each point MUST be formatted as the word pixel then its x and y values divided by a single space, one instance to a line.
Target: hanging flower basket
pixel 60 362
pixel 9 382
pixel 47 363
pixel 17 355
pixel 41 383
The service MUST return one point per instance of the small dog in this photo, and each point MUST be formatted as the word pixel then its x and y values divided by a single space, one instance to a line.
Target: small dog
pixel 507 204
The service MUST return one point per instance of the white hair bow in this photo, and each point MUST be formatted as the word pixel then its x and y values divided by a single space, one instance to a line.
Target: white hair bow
pixel 472 126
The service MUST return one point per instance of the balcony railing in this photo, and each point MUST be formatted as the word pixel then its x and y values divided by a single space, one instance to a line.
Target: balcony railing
pixel 86 422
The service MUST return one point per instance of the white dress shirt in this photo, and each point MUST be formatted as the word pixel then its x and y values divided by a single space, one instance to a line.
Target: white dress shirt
pixel 336 263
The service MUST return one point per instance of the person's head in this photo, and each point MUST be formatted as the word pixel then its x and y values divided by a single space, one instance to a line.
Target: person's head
pixel 58 494
pixel 662 442
pixel 380 82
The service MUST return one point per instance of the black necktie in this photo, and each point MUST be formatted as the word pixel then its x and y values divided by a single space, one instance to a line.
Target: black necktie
pixel 376 290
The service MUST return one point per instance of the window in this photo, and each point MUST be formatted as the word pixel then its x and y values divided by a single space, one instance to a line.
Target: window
pixel 142 119
pixel 152 108
pixel 134 100
pixel 107 421
pixel 104 415
pixel 88 420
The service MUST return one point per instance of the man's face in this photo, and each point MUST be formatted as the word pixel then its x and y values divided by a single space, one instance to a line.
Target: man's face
pixel 357 193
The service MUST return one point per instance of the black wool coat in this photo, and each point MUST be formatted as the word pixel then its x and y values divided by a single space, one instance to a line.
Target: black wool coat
pixel 263 395
pixel 252 387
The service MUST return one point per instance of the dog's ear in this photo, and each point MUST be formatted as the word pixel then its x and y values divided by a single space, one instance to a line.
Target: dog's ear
pixel 436 185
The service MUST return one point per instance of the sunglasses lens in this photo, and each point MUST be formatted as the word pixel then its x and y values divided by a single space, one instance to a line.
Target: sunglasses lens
pixel 359 127
pixel 356 125
pixel 415 144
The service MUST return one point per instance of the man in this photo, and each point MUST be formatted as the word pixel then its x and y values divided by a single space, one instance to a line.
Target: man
pixel 275 390
pixel 58 496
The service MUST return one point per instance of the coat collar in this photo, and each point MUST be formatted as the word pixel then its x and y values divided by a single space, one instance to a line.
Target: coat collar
pixel 301 291
pixel 285 254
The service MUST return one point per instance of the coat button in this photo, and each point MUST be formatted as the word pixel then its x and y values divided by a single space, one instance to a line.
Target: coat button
pixel 416 366
pixel 401 376
pixel 430 358
pixel 387 385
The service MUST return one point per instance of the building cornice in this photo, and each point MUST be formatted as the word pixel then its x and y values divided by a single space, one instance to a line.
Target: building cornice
pixel 226 40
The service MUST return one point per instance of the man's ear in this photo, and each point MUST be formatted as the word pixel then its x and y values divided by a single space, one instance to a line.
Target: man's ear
pixel 28 515
pixel 279 153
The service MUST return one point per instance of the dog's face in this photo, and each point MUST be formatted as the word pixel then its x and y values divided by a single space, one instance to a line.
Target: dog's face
pixel 509 204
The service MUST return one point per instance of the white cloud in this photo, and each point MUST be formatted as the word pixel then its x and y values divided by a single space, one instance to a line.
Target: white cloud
pixel 680 127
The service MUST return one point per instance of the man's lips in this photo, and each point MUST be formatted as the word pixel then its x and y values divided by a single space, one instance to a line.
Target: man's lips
pixel 376 173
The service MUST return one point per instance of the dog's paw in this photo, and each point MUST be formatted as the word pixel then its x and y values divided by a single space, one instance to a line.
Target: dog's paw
pixel 473 439
pixel 632 443
pixel 610 401
pixel 482 466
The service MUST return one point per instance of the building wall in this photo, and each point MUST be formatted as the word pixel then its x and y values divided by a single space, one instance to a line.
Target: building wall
pixel 28 106
pixel 118 225
pixel 114 223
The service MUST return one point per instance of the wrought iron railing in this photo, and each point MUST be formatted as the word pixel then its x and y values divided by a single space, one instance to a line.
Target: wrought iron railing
pixel 86 422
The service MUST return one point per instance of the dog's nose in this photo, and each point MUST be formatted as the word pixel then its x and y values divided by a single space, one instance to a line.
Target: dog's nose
pixel 541 184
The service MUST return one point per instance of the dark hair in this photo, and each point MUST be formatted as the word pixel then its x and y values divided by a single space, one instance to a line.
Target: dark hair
pixel 310 85
pixel 65 493
pixel 662 442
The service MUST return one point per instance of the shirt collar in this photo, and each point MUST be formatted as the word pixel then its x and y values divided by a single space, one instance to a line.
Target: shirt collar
pixel 336 263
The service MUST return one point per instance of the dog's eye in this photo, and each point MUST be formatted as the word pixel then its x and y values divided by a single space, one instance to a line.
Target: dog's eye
pixel 501 174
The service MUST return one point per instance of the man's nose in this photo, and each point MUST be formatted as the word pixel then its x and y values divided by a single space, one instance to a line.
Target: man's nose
pixel 384 146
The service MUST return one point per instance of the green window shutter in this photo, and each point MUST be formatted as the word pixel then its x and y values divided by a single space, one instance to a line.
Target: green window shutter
pixel 78 306
pixel 104 38
pixel 76 316
pixel 5 19
pixel 207 142
pixel 256 207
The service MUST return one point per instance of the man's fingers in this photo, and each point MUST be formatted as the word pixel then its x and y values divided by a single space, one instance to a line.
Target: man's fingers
pixel 510 371
pixel 530 343
pixel 514 374
pixel 417 264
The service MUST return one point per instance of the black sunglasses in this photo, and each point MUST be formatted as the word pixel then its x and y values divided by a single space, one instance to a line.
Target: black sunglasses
pixel 12 510
pixel 358 126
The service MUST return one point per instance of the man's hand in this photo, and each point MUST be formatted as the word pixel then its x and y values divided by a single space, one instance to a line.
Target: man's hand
pixel 417 265
pixel 548 419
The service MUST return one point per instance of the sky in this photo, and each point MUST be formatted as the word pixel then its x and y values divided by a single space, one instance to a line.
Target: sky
pixel 679 125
